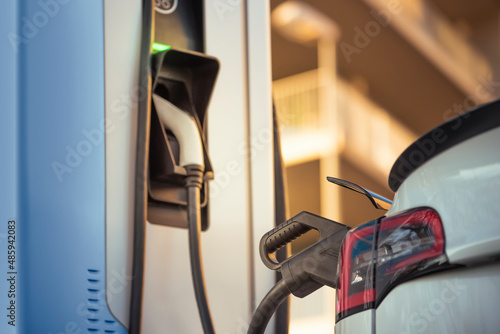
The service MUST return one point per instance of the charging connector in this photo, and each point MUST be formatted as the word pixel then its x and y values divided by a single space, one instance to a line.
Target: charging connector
pixel 180 166
pixel 185 129
pixel 304 272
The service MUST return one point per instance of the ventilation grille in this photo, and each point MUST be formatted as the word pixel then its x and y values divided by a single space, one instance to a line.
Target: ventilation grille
pixel 98 320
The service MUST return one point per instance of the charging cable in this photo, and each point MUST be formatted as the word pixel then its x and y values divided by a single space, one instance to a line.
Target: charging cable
pixel 185 129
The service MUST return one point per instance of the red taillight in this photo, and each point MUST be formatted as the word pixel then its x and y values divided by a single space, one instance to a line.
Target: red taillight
pixel 408 243
pixel 355 290
pixel 378 255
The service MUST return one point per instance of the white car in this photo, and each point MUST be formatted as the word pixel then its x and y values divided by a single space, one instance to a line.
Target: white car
pixel 432 264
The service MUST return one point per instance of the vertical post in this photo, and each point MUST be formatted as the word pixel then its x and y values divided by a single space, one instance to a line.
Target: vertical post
pixel 260 136
pixel 329 123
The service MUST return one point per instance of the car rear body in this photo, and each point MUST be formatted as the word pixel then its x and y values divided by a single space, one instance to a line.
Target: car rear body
pixel 453 171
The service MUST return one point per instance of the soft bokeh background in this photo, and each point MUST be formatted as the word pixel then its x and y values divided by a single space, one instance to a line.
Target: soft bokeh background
pixel 354 83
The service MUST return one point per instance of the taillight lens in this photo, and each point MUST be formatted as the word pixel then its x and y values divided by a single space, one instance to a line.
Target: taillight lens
pixel 407 245
pixel 402 246
pixel 355 289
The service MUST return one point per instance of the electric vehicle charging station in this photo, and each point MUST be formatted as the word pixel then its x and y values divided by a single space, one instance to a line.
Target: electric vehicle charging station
pixel 71 129
pixel 127 129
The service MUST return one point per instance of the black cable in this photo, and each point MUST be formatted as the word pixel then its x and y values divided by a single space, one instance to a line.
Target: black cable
pixel 267 307
pixel 194 227
pixel 141 172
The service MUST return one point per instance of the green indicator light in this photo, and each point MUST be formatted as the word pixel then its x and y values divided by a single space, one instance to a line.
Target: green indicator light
pixel 157 47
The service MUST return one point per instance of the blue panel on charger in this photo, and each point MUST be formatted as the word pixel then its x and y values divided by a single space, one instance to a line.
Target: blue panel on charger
pixel 8 166
pixel 61 278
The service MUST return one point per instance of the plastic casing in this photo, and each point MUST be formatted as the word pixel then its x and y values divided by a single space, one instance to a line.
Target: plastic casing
pixel 55 122
pixel 462 184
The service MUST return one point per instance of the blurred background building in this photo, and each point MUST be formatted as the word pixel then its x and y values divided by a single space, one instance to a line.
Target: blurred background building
pixel 355 82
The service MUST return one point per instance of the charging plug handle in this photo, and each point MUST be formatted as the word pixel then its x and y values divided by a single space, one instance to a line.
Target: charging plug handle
pixel 314 266
pixel 304 272
pixel 293 228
